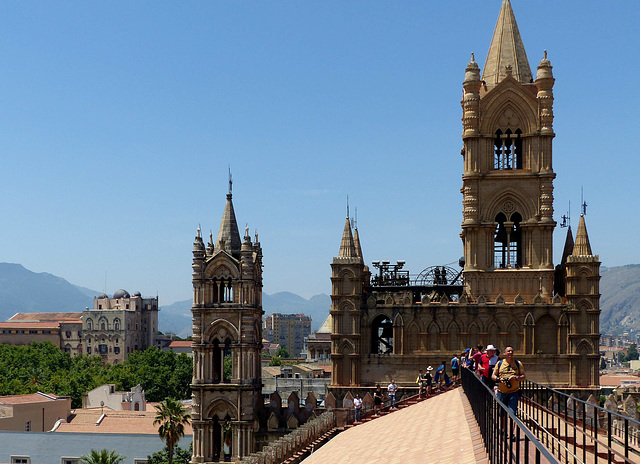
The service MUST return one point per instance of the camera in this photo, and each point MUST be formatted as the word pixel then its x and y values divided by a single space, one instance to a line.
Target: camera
pixel 507 383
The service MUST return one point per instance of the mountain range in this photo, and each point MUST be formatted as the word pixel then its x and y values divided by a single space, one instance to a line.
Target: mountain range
pixel 22 290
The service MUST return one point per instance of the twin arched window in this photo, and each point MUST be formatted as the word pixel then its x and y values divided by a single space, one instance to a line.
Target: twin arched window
pixel 508 150
pixel 507 243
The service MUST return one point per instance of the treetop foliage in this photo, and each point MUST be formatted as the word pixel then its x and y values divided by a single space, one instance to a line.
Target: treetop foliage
pixel 44 367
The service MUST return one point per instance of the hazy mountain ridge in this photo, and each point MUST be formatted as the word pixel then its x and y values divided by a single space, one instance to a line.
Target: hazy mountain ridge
pixel 22 290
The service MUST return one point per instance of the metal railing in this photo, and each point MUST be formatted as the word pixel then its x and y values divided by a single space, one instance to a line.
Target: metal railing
pixel 578 431
pixel 506 438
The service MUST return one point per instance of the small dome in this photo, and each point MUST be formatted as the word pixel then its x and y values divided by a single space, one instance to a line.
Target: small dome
pixel 121 294
pixel 137 294
pixel 103 295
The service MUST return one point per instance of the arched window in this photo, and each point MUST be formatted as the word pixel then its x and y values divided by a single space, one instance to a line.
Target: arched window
pixel 116 324
pixel 507 243
pixel 89 324
pixel 381 335
pixel 508 150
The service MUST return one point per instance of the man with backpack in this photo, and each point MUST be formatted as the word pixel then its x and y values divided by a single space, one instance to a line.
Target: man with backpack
pixel 508 374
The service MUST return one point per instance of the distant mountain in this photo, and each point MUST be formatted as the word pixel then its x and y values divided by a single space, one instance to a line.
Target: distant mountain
pixel 176 318
pixel 620 300
pixel 24 291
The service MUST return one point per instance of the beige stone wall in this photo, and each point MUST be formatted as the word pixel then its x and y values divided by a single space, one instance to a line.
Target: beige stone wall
pixel 41 416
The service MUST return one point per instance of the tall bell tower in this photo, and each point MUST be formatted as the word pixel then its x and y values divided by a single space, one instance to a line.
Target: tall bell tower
pixel 227 341
pixel 507 227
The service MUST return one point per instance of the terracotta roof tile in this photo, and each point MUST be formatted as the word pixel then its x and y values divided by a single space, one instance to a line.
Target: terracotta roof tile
pixel 29 398
pixel 138 422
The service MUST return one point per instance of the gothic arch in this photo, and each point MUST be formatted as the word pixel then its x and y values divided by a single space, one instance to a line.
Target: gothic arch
pixel 508 201
pixel 514 336
pixel 220 408
pixel 413 338
pixel 220 330
pixel 474 334
pixel 221 268
pixel 346 347
pixel 584 347
pixel 455 344
pixel 346 306
pixel 509 95
pixel 346 273
pixel 433 332
pixel 546 335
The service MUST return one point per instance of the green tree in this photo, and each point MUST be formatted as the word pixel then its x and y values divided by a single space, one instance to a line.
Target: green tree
pixel 172 418
pixel 103 456
pixel 283 353
pixel 603 364
pixel 633 352
pixel 275 361
pixel 180 456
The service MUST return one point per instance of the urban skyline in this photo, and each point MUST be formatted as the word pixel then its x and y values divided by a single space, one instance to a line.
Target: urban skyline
pixel 121 121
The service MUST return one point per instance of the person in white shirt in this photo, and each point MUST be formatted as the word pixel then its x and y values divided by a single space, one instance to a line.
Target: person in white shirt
pixel 392 388
pixel 357 406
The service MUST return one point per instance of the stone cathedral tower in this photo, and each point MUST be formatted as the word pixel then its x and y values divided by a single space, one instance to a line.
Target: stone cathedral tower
pixel 508 292
pixel 227 341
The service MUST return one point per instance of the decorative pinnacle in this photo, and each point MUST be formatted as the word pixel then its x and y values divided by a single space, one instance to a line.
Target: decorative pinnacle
pixel 230 181
pixel 473 58
pixel 198 231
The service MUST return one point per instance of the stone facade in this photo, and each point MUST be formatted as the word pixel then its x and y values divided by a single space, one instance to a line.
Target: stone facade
pixel 509 291
pixel 227 325
pixel 120 325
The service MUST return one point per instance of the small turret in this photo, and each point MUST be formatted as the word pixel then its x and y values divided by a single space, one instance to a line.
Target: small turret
pixel 544 83
pixel 582 246
pixel 347 247
pixel 471 99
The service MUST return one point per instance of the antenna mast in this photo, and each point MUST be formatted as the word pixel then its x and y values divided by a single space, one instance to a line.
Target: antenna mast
pixel 230 180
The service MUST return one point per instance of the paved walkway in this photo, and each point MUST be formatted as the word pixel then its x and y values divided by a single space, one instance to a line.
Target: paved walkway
pixel 439 430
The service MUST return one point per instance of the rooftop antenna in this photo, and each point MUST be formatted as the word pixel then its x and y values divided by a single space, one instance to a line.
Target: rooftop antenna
pixel 230 180
pixel 347 205
pixel 105 281
pixel 582 202
pixel 566 219
pixel 354 221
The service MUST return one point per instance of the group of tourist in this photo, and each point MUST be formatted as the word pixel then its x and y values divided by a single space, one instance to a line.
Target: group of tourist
pixel 502 376
pixel 378 400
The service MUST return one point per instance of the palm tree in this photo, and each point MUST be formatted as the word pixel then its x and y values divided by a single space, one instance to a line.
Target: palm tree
pixel 102 457
pixel 172 418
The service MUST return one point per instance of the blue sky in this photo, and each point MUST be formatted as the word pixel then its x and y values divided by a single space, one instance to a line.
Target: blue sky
pixel 119 120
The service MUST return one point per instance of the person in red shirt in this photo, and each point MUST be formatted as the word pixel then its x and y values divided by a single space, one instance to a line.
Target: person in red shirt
pixel 489 360
pixel 477 360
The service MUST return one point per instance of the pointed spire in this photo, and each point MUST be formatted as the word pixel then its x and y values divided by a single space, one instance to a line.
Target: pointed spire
pixel 582 246
pixel 568 246
pixel 356 243
pixel 506 49
pixel 347 247
pixel 228 234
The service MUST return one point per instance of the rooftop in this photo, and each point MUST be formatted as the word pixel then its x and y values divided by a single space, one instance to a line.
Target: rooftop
pixel 28 398
pixel 441 429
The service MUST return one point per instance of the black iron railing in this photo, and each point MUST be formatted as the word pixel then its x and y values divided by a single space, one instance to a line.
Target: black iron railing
pixel 506 438
pixel 578 431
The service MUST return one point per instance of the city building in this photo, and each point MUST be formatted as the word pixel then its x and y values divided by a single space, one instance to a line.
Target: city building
pixel 388 324
pixel 288 330
pixel 120 325
pixel 106 396
pixel 318 344
pixel 34 412
pixel 61 329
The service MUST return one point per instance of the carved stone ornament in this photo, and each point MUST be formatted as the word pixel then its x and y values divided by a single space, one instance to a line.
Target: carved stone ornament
pixel 509 119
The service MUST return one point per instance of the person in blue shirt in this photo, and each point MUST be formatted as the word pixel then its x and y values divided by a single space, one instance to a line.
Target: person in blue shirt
pixel 455 368
pixel 441 376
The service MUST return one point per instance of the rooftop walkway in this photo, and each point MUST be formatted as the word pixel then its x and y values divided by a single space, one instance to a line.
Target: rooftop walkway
pixel 441 429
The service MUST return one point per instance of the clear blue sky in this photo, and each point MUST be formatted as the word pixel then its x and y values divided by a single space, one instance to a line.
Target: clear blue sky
pixel 118 121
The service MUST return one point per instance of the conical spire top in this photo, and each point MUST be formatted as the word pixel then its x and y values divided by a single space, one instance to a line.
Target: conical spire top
pixel 347 247
pixel 568 246
pixel 356 243
pixel 506 49
pixel 228 234
pixel 582 246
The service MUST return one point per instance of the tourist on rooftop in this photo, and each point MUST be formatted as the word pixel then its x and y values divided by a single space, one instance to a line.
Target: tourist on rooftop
pixel 509 372
pixel 377 399
pixel 442 377
pixel 428 380
pixel 392 388
pixel 477 359
pixel 420 382
pixel 489 360
pixel 357 407
pixel 455 368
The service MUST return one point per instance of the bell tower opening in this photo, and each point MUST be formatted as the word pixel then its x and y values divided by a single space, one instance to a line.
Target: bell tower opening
pixel 508 150
pixel 507 243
